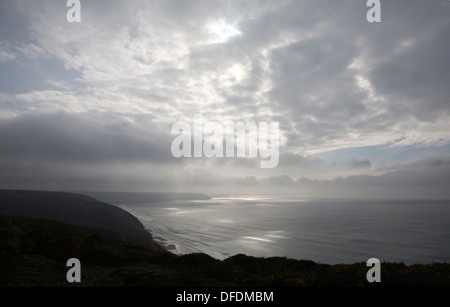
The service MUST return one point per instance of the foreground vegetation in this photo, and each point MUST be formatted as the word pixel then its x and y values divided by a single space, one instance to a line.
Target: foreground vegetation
pixel 33 252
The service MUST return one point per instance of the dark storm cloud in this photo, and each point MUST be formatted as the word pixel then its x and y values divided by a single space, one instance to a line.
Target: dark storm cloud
pixel 360 163
pixel 417 78
pixel 81 138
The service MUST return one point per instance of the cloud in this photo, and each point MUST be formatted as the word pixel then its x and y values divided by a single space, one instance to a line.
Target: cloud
pixel 31 51
pixel 5 53
pixel 340 88
pixel 279 180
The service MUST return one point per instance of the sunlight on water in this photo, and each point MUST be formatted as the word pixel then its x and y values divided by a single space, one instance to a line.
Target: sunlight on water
pixel 258 239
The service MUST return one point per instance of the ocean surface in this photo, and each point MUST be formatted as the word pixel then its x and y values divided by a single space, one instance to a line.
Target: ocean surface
pixel 323 231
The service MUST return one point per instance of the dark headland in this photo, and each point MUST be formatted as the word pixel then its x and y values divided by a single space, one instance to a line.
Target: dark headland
pixel 71 208
pixel 40 231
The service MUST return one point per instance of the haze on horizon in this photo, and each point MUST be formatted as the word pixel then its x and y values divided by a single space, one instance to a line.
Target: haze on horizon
pixel 363 108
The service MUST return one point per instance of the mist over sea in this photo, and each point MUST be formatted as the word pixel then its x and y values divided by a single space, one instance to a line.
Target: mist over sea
pixel 323 231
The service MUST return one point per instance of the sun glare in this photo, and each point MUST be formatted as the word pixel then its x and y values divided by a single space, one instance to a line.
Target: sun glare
pixel 223 30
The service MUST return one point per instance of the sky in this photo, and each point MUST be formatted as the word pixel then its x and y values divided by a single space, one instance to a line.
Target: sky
pixel 363 108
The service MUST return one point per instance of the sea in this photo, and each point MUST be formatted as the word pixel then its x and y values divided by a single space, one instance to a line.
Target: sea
pixel 324 231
